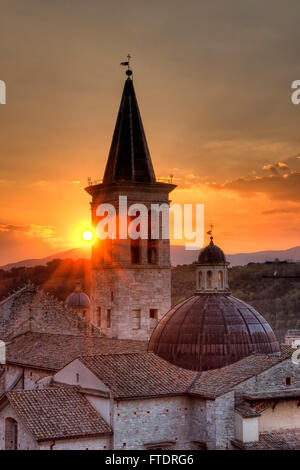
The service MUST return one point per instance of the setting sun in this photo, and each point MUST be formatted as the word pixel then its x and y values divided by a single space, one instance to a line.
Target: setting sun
pixel 87 235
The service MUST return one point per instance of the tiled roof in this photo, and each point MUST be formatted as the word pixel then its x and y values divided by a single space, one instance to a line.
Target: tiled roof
pixel 139 375
pixel 288 439
pixel 293 333
pixel 146 374
pixel 270 395
pixel 216 382
pixel 61 413
pixel 52 352
pixel 286 350
pixel 243 408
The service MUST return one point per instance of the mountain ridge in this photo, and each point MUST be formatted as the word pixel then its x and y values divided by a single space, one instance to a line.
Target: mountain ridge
pixel 179 256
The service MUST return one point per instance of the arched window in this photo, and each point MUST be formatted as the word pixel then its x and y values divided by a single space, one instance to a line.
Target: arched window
pixel 152 251
pixel 209 279
pixel 108 318
pixel 200 280
pixel 11 434
pixel 153 318
pixel 98 316
pixel 135 251
pixel 152 243
pixel 220 280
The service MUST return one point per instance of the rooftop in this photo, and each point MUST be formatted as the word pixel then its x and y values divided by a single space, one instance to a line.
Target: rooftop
pixel 144 374
pixel 61 413
pixel 129 157
pixel 210 331
pixel 139 375
pixel 53 351
pixel 287 439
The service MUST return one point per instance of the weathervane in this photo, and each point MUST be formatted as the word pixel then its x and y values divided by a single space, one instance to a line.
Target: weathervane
pixel 210 232
pixel 127 64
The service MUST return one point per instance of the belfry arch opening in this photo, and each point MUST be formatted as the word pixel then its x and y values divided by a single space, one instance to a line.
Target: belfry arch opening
pixel 152 243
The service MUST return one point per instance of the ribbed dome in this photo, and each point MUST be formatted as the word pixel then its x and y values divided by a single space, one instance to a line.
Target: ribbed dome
pixel 211 331
pixel 78 300
pixel 211 254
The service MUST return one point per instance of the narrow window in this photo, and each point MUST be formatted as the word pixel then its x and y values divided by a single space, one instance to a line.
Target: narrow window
pixel 200 280
pixel 288 381
pixel 98 319
pixel 136 319
pixel 135 246
pixel 11 434
pixel 153 317
pixel 152 251
pixel 152 244
pixel 112 296
pixel 77 378
pixel 220 280
pixel 209 279
pixel 108 318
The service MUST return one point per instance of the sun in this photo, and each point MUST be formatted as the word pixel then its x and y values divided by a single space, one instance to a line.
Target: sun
pixel 87 235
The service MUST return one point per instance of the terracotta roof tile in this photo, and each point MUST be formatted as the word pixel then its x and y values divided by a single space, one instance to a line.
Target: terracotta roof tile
pixel 243 408
pixel 139 375
pixel 61 413
pixel 288 439
pixel 52 352
pixel 216 382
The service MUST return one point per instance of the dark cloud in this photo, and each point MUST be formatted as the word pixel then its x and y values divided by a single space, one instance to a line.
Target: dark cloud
pixel 209 71
pixel 285 188
pixel 287 210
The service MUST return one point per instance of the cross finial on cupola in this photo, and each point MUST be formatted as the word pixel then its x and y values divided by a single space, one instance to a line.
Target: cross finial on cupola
pixel 210 232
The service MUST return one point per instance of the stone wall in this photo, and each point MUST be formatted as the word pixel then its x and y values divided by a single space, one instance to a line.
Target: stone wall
pixel 220 422
pixel 92 443
pixel 28 381
pixel 273 379
pixel 141 423
pixel 25 439
pixel 123 291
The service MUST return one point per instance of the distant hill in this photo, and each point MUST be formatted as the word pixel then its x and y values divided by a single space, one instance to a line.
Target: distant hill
pixel 74 253
pixel 179 256
pixel 240 259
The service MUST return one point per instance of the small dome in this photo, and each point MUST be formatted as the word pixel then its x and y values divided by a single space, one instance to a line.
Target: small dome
pixel 78 300
pixel 211 254
pixel 209 331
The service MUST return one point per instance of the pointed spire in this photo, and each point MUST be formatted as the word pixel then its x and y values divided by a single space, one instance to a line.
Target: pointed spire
pixel 129 158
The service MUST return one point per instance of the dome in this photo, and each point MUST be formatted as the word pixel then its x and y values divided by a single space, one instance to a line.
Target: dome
pixel 211 254
pixel 210 331
pixel 78 300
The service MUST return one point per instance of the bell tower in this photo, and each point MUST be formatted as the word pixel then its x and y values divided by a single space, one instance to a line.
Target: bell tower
pixel 131 279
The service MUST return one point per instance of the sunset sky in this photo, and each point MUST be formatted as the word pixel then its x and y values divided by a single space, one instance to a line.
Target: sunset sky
pixel 213 80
